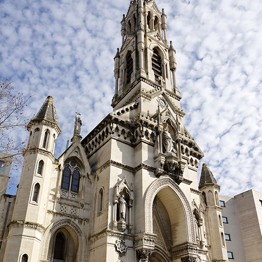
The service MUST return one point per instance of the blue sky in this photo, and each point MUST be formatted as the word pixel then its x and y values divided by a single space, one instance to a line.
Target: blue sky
pixel 65 49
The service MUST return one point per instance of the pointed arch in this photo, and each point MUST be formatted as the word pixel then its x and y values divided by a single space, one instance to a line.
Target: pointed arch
pixel 75 181
pixel 157 63
pixel 24 258
pixel 46 139
pixel 129 66
pixel 66 178
pixel 156 23
pixel 100 200
pixel 35 138
pixel 210 198
pixel 72 234
pixel 36 192
pixel 40 167
pixel 165 188
pixel 216 198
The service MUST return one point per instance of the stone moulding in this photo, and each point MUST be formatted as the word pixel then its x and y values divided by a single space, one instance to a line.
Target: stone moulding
pixel 20 223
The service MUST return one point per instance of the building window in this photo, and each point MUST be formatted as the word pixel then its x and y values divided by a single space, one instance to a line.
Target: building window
pixel 225 220
pixel 220 221
pixel 222 203
pixel 40 167
pixel 230 255
pixel 227 237
pixel 129 67
pixel 216 198
pixel 156 64
pixel 36 192
pixel 75 181
pixel 222 239
pixel 71 177
pixel 24 258
pixel 59 250
pixel 100 200
pixel 46 139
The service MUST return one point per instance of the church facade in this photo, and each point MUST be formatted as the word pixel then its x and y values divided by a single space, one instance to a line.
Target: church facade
pixel 129 190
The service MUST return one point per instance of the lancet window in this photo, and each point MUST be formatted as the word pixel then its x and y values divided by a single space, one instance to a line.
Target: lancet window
pixel 24 258
pixel 46 139
pixel 40 167
pixel 100 200
pixel 129 67
pixel 157 64
pixel 36 193
pixel 71 177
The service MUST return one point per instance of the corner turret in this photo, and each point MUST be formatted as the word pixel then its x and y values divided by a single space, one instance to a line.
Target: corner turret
pixel 213 214
pixel 44 128
pixel 33 191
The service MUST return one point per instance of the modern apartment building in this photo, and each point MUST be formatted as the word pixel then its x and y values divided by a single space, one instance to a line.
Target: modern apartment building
pixel 242 219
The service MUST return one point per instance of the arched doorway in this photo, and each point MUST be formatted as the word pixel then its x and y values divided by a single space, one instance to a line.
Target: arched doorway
pixel 63 245
pixel 169 217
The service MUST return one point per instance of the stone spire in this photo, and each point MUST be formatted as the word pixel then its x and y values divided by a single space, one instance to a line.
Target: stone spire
pixel 46 115
pixel 207 178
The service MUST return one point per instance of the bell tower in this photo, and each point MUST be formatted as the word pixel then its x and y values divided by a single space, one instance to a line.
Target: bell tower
pixel 145 60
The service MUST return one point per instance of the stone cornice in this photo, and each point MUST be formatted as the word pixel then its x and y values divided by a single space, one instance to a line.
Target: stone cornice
pixel 124 167
pixel 44 122
pixel 27 224
pixel 44 152
pixel 108 232
pixel 195 191
pixel 68 215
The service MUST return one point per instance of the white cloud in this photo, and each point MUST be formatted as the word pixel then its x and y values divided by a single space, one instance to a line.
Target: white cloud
pixel 66 49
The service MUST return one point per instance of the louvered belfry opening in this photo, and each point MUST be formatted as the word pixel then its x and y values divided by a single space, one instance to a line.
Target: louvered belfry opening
pixel 156 64
pixel 129 67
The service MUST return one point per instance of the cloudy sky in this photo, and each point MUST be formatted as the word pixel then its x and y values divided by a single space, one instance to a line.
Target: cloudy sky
pixel 65 48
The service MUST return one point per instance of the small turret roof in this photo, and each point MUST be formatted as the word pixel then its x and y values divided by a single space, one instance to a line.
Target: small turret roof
pixel 207 178
pixel 47 114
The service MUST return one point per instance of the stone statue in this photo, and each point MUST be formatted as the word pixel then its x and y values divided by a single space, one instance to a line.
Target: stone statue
pixel 122 207
pixel 78 124
pixel 167 141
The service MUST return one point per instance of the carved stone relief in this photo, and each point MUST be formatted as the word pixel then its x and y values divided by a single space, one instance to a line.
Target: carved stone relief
pixel 120 246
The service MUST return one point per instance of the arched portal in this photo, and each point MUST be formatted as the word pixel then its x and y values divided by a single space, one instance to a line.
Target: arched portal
pixel 63 246
pixel 175 222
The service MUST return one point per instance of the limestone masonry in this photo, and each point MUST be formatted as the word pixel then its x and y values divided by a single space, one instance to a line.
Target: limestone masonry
pixel 129 190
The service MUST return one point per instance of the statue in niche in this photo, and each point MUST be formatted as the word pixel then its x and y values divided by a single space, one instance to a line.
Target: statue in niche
pixel 168 143
pixel 122 207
